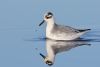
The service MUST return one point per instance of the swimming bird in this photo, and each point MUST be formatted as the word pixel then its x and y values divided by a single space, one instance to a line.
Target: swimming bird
pixel 54 47
pixel 60 32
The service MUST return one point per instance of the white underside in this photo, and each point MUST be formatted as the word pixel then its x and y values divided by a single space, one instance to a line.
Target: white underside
pixel 63 36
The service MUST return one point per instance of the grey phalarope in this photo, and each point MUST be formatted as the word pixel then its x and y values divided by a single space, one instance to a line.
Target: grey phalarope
pixel 59 32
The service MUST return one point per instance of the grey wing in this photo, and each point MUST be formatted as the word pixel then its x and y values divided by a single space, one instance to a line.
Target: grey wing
pixel 68 29
pixel 71 29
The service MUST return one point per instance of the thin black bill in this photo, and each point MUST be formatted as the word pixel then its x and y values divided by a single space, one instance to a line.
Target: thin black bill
pixel 42 56
pixel 41 23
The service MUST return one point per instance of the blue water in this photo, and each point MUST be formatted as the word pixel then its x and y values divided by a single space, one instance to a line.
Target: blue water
pixel 21 40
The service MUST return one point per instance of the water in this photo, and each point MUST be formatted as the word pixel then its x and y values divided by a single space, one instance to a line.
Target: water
pixel 21 40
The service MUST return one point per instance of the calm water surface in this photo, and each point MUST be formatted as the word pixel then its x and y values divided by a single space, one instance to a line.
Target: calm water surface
pixel 21 47
pixel 21 40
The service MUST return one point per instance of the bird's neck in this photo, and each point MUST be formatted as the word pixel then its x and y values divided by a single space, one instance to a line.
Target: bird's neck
pixel 51 57
pixel 51 54
pixel 50 24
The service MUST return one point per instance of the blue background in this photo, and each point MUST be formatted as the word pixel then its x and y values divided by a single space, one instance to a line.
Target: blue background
pixel 19 21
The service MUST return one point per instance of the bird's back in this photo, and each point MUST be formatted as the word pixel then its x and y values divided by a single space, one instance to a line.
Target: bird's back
pixel 64 29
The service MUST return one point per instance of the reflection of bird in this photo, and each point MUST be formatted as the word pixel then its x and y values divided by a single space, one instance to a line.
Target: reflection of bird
pixel 55 47
pixel 59 32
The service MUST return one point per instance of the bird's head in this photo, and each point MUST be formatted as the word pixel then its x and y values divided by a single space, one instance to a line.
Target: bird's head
pixel 47 17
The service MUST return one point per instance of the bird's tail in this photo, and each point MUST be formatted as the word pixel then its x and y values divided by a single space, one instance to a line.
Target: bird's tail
pixel 84 30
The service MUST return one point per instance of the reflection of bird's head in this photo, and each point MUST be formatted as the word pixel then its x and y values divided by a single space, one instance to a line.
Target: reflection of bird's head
pixel 46 60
